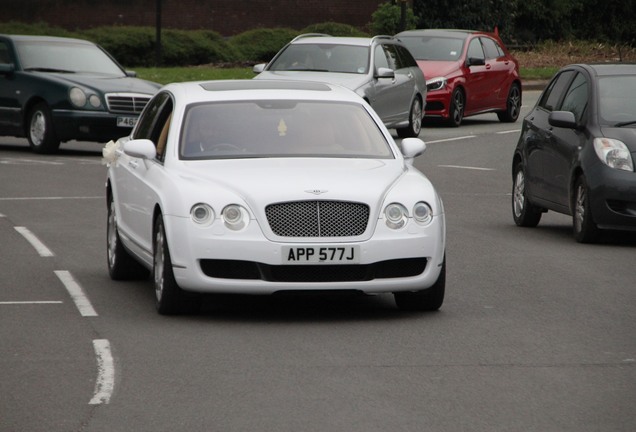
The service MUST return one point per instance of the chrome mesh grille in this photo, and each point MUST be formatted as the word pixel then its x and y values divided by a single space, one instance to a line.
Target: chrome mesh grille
pixel 318 218
pixel 126 103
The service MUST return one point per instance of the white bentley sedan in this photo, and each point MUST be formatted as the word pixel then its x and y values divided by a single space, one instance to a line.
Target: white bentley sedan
pixel 256 187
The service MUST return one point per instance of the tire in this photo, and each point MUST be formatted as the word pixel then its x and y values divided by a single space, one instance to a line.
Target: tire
pixel 415 121
pixel 40 131
pixel 170 299
pixel 513 105
pixel 585 230
pixel 523 212
pixel 456 109
pixel 430 299
pixel 121 265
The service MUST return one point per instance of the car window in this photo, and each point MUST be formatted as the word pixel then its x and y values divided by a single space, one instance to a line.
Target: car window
pixel 406 60
pixel 491 48
pixel 280 128
pixel 64 56
pixel 555 90
pixel 4 53
pixel 391 56
pixel 322 57
pixel 147 123
pixel 575 99
pixel 379 59
pixel 475 50
pixel 616 98
pixel 434 47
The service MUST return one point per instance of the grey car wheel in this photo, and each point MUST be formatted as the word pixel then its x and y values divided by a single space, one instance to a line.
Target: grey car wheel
pixel 513 105
pixel 585 230
pixel 40 131
pixel 415 121
pixel 121 265
pixel 523 212
pixel 456 109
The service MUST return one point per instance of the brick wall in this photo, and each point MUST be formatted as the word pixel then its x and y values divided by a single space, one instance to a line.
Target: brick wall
pixel 227 17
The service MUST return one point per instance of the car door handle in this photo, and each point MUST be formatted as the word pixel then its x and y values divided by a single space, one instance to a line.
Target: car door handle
pixel 133 164
pixel 410 75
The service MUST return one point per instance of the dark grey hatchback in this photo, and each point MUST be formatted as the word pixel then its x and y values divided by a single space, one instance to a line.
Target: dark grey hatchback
pixel 58 89
pixel 577 149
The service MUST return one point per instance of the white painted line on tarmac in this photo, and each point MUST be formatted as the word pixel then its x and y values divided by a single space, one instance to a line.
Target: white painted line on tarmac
pixel 30 302
pixel 35 242
pixel 105 383
pixel 452 139
pixel 466 167
pixel 508 131
pixel 77 294
pixel 51 198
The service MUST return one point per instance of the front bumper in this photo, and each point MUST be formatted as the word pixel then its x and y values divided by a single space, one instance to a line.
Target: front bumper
pixel 255 264
pixel 438 103
pixel 613 198
pixel 97 126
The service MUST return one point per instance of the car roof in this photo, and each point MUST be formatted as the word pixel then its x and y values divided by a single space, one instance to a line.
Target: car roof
pixel 608 69
pixel 339 40
pixel 457 33
pixel 39 38
pixel 249 89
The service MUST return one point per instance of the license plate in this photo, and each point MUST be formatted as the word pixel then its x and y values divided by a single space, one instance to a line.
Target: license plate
pixel 126 121
pixel 320 254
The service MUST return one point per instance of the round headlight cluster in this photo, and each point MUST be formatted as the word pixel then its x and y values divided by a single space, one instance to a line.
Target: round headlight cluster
pixel 202 214
pixel 79 98
pixel 397 216
pixel 235 217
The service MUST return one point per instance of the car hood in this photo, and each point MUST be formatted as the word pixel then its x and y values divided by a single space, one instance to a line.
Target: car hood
pixel 108 83
pixel 626 134
pixel 265 181
pixel 434 69
pixel 348 80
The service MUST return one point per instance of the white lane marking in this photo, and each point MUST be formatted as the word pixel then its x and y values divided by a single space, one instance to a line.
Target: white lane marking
pixel 105 383
pixel 466 167
pixel 77 294
pixel 30 302
pixel 508 131
pixel 19 161
pixel 35 242
pixel 51 198
pixel 452 139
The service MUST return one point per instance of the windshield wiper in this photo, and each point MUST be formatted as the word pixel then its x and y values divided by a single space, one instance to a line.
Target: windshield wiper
pixel 625 123
pixel 44 69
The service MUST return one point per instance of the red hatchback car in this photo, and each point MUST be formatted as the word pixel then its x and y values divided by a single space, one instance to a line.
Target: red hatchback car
pixel 467 73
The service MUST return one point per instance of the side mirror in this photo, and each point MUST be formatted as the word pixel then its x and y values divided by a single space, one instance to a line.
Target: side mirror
pixel 473 61
pixel 259 68
pixel 6 68
pixel 412 148
pixel 131 74
pixel 562 119
pixel 385 73
pixel 140 148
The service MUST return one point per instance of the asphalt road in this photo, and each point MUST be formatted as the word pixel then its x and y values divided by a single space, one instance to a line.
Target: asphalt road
pixel 536 333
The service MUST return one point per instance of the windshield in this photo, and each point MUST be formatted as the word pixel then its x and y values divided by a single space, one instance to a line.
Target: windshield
pixel 323 58
pixel 616 100
pixel 65 56
pixel 280 128
pixel 434 47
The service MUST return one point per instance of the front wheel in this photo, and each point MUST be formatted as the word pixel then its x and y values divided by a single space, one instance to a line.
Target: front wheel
pixel 40 131
pixel 456 109
pixel 513 105
pixel 415 121
pixel 585 230
pixel 523 212
pixel 430 299
pixel 170 298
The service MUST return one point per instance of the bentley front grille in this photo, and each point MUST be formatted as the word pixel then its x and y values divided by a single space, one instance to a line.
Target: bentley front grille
pixel 318 218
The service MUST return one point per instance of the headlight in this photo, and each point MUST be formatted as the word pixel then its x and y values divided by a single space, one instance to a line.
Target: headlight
pixel 614 153
pixel 78 97
pixel 435 83
pixel 422 213
pixel 235 217
pixel 95 101
pixel 202 214
pixel 396 215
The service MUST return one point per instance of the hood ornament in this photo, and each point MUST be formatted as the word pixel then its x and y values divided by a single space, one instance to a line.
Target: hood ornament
pixel 316 191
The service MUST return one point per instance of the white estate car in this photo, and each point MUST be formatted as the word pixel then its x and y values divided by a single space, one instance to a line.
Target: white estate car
pixel 255 187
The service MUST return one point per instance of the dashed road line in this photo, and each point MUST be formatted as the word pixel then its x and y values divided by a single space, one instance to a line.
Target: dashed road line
pixel 466 167
pixel 30 302
pixel 77 294
pixel 452 139
pixel 105 383
pixel 35 242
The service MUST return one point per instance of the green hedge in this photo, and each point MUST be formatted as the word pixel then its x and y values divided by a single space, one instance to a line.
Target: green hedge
pixel 136 46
